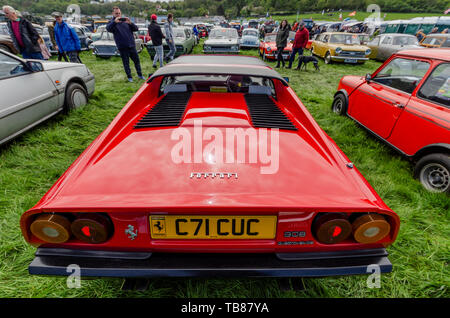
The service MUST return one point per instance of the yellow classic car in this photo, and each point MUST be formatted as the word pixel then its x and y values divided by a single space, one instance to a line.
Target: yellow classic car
pixel 340 47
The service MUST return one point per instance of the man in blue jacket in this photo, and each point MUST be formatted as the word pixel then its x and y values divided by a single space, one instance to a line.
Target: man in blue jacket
pixel 122 29
pixel 66 39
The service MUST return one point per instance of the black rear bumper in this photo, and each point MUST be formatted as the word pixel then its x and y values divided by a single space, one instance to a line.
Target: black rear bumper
pixel 123 264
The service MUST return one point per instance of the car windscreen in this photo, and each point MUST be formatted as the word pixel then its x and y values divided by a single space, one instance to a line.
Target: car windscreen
pixel 270 38
pixel 179 34
pixel 345 39
pixel 223 34
pixel 4 29
pixel 219 83
pixel 253 24
pixel 405 40
pixel 107 36
pixel 250 32
pixel 433 40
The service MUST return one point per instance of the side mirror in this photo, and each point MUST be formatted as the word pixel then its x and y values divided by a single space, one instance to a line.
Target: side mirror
pixel 368 77
pixel 34 66
pixel 286 79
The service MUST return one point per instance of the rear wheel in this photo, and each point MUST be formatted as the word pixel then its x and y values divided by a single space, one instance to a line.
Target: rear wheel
pixel 76 97
pixel 328 58
pixel 433 171
pixel 339 105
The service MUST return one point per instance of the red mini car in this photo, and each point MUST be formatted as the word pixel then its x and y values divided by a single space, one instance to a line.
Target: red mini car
pixel 213 168
pixel 268 48
pixel 406 102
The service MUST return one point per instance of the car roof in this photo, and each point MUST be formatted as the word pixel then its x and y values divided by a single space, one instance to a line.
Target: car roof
pixel 218 64
pixel 434 53
pixel 439 35
pixel 397 34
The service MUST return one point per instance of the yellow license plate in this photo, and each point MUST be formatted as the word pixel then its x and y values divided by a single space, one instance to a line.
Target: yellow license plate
pixel 213 227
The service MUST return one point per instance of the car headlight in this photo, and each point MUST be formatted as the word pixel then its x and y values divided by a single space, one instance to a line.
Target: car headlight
pixel 206 47
pixel 236 47
pixel 368 51
pixel 338 50
pixel 269 49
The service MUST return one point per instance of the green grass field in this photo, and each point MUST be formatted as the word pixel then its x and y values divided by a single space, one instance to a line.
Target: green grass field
pixel 32 163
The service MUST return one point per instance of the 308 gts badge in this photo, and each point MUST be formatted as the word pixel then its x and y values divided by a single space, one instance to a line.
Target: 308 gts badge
pixel 213 175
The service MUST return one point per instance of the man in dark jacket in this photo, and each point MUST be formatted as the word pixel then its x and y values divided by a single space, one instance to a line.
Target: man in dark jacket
pixel 23 34
pixel 154 30
pixel 300 42
pixel 66 39
pixel 281 41
pixel 122 29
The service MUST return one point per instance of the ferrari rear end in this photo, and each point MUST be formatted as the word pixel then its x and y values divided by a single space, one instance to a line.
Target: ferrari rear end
pixel 164 190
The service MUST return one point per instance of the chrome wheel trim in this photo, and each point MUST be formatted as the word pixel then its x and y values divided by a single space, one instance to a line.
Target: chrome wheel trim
pixel 435 177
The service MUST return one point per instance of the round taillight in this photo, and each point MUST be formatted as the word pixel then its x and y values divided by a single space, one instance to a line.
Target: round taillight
pixel 332 228
pixel 370 228
pixel 92 228
pixel 51 228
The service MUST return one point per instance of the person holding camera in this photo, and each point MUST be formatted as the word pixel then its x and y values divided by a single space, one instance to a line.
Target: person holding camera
pixel 122 29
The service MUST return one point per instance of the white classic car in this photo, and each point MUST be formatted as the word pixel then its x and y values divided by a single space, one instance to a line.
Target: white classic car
pixel 106 47
pixel 222 40
pixel 33 90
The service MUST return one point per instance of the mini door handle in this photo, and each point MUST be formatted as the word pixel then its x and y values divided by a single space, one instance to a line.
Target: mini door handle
pixel 399 105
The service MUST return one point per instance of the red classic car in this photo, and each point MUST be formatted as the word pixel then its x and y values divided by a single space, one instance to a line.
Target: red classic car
pixel 406 103
pixel 181 183
pixel 202 31
pixel 268 48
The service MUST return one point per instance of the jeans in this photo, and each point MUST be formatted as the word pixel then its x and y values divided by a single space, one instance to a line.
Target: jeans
pixel 126 54
pixel 294 51
pixel 73 57
pixel 171 53
pixel 159 55
pixel 35 55
pixel 61 56
pixel 280 56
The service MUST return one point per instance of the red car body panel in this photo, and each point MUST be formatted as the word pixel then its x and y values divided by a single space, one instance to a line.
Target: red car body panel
pixel 418 123
pixel 271 54
pixel 129 175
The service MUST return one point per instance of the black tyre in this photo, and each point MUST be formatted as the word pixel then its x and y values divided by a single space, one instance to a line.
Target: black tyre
pixel 433 171
pixel 339 105
pixel 264 56
pixel 5 48
pixel 76 96
pixel 327 58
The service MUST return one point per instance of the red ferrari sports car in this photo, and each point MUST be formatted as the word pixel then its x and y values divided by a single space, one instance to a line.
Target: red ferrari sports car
pixel 406 103
pixel 213 168
pixel 268 48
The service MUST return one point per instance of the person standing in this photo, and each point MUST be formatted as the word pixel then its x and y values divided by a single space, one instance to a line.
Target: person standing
pixel 300 42
pixel 154 30
pixel 122 29
pixel 169 37
pixel 281 41
pixel 66 39
pixel 23 34
pixel 51 33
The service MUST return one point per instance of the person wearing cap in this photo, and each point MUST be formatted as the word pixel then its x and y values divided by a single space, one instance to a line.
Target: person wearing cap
pixel 300 42
pixel 24 36
pixel 154 30
pixel 66 39
pixel 122 29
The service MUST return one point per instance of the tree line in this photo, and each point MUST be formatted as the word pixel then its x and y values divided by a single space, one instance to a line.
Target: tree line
pixel 227 8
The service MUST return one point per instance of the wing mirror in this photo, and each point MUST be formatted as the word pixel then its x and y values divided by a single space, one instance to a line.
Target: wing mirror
pixel 34 66
pixel 286 79
pixel 368 77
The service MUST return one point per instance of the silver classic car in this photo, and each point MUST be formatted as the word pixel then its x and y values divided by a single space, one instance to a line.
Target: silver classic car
pixel 250 38
pixel 384 45
pixel 222 40
pixel 106 46
pixel 33 90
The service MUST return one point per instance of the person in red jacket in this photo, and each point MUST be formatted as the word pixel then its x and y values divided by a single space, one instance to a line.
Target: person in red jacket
pixel 300 41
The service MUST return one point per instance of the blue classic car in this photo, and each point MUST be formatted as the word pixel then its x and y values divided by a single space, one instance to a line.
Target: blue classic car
pixel 250 38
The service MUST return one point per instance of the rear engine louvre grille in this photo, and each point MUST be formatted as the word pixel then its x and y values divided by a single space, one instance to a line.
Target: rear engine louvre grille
pixel 266 114
pixel 167 112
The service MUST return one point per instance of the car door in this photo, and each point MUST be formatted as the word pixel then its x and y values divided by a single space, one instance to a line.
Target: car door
pixel 378 103
pixel 27 97
pixel 426 119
